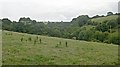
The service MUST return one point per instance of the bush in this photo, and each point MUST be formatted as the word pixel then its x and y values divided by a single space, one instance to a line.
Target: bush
pixel 114 38
pixel 100 36
pixel 85 35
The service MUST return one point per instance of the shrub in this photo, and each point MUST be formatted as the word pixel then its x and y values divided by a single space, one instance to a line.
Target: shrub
pixel 40 40
pixel 114 38
pixel 21 39
pixel 29 39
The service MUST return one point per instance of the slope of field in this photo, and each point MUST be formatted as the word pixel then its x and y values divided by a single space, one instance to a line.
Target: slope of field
pixel 107 18
pixel 0 47
pixel 28 51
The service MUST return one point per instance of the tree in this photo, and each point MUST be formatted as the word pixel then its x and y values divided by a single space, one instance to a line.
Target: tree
pixel 109 13
pixel 6 24
pixel 102 27
pixel 26 20
pixel 6 21
pixel 100 36
pixel 114 38
pixel 118 20
pixel 18 27
pixel 0 24
pixel 55 32
pixel 81 20
pixel 96 16
pixel 86 35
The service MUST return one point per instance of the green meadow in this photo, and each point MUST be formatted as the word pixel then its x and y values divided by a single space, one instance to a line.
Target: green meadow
pixel 22 48
pixel 107 18
pixel 0 48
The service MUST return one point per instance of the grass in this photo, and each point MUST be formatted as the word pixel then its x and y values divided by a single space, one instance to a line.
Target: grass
pixel 102 19
pixel 0 48
pixel 78 52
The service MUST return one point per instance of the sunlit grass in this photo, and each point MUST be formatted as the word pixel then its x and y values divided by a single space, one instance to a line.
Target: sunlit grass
pixel 16 51
pixel 103 19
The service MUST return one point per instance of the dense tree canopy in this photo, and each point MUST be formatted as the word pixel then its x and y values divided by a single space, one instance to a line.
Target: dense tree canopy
pixel 80 28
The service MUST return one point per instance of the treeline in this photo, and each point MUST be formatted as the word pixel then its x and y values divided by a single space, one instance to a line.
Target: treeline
pixel 80 28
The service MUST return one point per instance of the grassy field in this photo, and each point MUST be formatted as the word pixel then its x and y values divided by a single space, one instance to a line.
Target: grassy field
pixel 0 47
pixel 32 51
pixel 102 19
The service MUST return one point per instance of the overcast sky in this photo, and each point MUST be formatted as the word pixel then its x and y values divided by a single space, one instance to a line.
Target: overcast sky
pixel 55 10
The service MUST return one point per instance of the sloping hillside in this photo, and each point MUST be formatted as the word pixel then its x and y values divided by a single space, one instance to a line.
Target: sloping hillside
pixel 81 28
pixel 106 18
pixel 21 48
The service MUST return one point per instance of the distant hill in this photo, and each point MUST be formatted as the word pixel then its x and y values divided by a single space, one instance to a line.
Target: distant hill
pixel 106 18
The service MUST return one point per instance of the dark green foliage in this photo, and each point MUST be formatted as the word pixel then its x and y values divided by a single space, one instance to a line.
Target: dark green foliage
pixel 112 23
pixel 6 21
pixel 114 38
pixel 102 27
pixel 85 35
pixel 109 13
pixel 18 27
pixel 25 20
pixel 55 32
pixel 118 19
pixel 6 24
pixel 80 28
pixel 81 20
pixel 100 36
pixel 96 16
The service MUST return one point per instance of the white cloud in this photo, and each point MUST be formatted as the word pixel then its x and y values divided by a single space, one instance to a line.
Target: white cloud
pixel 55 9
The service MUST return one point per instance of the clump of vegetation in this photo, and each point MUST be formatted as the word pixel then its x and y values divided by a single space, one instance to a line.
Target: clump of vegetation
pixel 21 39
pixel 60 42
pixel 29 39
pixel 40 40
pixel 35 41
pixel 66 44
